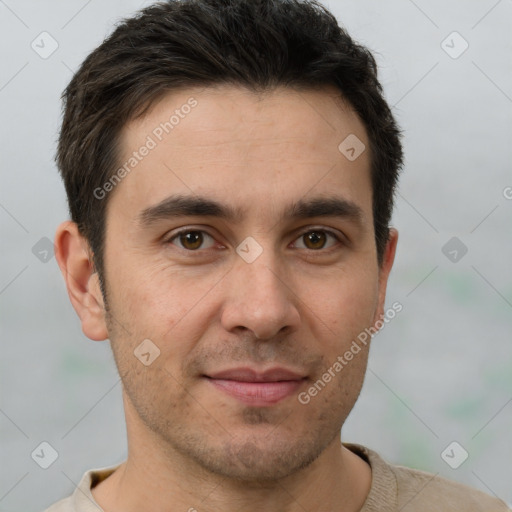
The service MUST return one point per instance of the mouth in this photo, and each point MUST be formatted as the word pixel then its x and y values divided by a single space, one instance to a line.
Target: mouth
pixel 257 388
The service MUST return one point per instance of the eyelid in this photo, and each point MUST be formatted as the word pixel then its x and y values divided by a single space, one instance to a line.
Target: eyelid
pixel 335 234
pixel 187 229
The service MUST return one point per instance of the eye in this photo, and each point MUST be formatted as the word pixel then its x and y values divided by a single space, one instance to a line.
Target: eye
pixel 315 239
pixel 191 240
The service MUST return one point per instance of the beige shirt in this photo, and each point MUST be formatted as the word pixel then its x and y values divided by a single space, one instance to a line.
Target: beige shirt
pixel 393 489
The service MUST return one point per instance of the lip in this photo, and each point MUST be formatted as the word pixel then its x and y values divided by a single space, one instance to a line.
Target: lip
pixel 247 374
pixel 257 388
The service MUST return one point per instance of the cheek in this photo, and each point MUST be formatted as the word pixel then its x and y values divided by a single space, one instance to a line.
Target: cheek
pixel 346 305
pixel 154 296
pixel 171 308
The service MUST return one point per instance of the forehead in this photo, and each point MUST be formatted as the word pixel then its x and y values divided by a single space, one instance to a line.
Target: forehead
pixel 224 113
pixel 250 149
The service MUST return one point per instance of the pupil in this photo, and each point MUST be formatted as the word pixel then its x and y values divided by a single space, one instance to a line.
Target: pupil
pixel 188 239
pixel 314 237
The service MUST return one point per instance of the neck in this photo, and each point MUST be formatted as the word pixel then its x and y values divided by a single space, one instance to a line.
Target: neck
pixel 338 480
pixel 160 478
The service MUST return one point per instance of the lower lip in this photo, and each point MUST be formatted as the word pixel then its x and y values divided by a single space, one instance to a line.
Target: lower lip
pixel 258 393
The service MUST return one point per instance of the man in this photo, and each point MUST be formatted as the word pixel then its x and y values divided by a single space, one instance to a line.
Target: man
pixel 230 169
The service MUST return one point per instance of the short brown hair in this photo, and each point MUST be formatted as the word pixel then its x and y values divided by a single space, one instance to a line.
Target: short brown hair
pixel 257 44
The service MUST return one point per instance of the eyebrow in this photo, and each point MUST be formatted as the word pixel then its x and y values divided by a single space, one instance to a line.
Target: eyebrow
pixel 182 205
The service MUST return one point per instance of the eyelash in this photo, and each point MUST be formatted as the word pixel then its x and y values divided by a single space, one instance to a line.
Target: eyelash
pixel 310 230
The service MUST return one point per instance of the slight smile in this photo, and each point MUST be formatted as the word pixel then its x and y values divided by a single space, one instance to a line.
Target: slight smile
pixel 257 388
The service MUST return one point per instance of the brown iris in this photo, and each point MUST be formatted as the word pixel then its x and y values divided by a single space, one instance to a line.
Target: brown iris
pixel 315 238
pixel 191 239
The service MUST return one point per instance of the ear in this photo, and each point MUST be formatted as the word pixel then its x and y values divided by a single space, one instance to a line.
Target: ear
pixel 384 270
pixel 74 257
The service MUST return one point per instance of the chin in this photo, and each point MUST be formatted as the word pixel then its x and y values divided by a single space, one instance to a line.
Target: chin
pixel 258 459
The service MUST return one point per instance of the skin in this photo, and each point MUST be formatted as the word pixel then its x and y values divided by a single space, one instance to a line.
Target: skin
pixel 297 305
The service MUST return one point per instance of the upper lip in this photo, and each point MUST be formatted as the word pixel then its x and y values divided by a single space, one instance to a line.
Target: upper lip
pixel 246 374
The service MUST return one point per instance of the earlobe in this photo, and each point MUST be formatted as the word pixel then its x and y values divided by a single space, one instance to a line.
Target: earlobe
pixel 73 255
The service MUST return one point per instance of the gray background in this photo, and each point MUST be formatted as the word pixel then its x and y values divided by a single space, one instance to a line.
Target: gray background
pixel 441 371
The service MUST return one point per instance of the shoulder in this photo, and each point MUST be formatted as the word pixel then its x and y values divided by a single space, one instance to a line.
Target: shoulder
pixel 64 505
pixel 420 491
pixel 411 490
pixel 82 500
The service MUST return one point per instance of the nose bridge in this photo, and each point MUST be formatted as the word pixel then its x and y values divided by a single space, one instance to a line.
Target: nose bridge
pixel 262 279
pixel 260 299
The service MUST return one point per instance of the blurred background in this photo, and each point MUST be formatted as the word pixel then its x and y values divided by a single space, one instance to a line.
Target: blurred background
pixel 440 372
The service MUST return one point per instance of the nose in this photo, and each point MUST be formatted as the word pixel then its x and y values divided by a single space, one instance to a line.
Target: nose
pixel 260 298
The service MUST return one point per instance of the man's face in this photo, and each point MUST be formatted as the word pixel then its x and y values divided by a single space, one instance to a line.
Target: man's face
pixel 293 295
